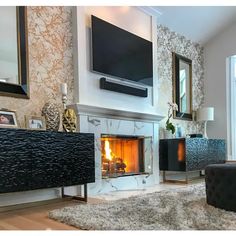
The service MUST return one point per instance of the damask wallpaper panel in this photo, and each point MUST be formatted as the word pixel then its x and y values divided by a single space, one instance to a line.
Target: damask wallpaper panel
pixel 50 60
pixel 168 42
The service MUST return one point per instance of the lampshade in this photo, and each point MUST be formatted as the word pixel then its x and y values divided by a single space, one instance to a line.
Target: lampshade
pixel 205 114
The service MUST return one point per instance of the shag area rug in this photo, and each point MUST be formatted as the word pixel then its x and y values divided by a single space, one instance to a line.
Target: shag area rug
pixel 181 209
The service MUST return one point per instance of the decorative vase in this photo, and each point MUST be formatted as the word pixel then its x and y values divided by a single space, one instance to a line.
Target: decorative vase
pixel 168 134
pixel 69 120
pixel 52 116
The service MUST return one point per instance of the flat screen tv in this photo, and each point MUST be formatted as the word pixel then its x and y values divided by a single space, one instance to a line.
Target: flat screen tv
pixel 121 54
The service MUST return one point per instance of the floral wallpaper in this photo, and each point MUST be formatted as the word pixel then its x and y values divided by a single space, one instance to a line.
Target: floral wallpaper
pixel 168 42
pixel 50 60
pixel 50 64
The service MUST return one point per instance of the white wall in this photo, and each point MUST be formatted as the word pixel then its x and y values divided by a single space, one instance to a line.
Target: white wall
pixel 216 52
pixel 87 89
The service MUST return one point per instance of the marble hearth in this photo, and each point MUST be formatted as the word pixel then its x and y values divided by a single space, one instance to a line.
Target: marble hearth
pixel 102 121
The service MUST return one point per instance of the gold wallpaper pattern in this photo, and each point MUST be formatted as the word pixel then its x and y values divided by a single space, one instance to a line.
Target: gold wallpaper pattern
pixel 50 60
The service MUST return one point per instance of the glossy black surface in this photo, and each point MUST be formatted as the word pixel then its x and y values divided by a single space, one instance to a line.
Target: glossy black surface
pixel 119 53
pixel 198 153
pixel 40 159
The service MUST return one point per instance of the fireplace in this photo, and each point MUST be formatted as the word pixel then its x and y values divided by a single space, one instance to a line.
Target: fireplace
pixel 121 169
pixel 125 155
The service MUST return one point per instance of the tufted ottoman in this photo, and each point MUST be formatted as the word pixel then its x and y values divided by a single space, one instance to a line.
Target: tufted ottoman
pixel 221 186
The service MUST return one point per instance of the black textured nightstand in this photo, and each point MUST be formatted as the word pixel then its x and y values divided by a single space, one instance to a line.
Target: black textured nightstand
pixel 190 154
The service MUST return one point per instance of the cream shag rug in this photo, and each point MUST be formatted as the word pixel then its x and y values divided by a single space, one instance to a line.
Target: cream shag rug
pixel 182 209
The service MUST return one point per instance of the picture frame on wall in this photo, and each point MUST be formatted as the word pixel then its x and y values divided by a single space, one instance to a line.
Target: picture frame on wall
pixel 8 119
pixel 35 122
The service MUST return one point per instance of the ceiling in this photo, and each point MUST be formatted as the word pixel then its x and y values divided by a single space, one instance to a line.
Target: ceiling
pixel 198 23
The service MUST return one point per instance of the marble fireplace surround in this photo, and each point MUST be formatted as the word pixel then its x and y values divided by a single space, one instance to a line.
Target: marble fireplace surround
pixel 100 120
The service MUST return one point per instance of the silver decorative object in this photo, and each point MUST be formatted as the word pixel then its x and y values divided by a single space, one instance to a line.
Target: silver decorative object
pixel 52 116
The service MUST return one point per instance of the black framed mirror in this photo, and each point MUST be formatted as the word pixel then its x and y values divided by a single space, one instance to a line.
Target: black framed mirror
pixel 182 86
pixel 14 80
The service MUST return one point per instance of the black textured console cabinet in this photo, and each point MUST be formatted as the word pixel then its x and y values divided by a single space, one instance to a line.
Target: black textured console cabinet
pixel 40 159
pixel 190 154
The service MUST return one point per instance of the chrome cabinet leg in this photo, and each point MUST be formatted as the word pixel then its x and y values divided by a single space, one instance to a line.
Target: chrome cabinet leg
pixel 83 198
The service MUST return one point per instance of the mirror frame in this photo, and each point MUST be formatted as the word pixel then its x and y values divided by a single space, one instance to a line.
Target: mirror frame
pixel 20 90
pixel 175 81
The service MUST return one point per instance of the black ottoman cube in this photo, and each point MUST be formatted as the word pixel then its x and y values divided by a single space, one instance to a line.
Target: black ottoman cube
pixel 221 186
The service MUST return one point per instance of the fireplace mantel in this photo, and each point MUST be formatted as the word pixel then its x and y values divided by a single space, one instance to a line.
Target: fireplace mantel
pixel 82 109
pixel 121 123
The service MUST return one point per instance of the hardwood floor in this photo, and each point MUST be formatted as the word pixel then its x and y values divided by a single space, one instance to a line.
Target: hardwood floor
pixel 35 217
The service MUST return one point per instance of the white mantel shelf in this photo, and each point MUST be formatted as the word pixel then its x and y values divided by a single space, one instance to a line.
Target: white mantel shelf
pixel 82 109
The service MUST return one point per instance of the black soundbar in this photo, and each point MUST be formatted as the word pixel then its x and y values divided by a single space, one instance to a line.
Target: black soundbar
pixel 122 88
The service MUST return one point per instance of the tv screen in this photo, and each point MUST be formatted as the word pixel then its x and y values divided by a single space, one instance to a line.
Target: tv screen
pixel 119 53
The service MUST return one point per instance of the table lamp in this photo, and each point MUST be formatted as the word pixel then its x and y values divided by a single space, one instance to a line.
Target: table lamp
pixel 205 114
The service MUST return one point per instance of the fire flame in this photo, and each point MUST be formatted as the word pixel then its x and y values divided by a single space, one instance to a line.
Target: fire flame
pixel 108 150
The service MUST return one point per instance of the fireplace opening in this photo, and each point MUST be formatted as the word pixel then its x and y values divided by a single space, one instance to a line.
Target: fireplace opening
pixel 125 155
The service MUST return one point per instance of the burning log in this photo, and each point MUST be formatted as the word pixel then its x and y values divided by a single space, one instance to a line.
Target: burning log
pixel 116 165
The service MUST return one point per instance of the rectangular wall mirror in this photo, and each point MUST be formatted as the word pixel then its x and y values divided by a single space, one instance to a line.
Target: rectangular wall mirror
pixel 182 86
pixel 13 52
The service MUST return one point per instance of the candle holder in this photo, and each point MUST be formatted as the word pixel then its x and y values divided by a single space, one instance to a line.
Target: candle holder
pixel 69 121
pixel 64 94
pixel 64 101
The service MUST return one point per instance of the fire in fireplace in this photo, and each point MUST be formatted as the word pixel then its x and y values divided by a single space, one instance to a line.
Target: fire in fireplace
pixel 125 155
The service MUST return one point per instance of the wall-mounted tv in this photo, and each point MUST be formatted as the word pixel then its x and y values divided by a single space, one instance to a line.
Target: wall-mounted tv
pixel 119 53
